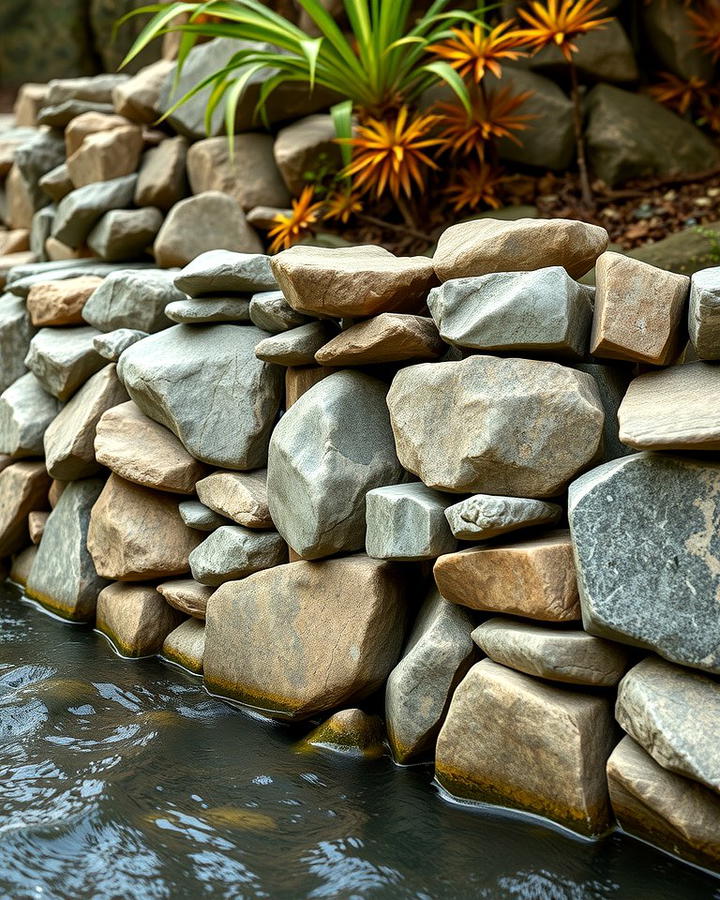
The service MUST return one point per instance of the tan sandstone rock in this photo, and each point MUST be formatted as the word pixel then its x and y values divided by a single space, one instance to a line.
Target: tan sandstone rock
pixel 23 488
pixel 106 155
pixel 22 564
pixel 60 302
pixel 389 337
pixel 135 618
pixel 137 97
pixel 299 380
pixel 185 646
pixel 187 595
pixel 88 123
pixel 240 496
pixel 36 525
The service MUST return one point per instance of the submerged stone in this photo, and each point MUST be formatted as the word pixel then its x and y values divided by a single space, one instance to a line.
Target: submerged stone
pixel 185 645
pixel 351 732
pixel 135 618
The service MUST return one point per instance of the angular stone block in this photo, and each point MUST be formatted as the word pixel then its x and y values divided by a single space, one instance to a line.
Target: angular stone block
pixel 135 618
pixel 407 522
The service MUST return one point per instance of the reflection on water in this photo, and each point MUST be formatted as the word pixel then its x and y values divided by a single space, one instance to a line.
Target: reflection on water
pixel 122 778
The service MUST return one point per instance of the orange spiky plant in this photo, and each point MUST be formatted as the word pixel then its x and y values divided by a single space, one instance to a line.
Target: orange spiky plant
pixel 472 53
pixel 342 205
pixel 559 23
pixel 493 115
pixel 475 185
pixel 677 93
pixel 706 25
pixel 289 229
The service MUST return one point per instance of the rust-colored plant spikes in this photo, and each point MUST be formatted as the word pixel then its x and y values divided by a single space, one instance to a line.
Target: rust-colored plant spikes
pixel 474 185
pixel 493 116
pixel 706 22
pixel 677 93
pixel 472 53
pixel 560 22
pixel 291 229
pixel 342 205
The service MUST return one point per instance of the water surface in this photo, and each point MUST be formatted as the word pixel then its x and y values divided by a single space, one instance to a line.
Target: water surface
pixel 123 778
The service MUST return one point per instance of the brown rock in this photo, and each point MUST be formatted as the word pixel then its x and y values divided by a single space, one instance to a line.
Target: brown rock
pixel 106 155
pixel 36 524
pixel 286 640
pixel 14 259
pixel 299 379
pixel 187 595
pixel 60 302
pixel 56 250
pixel 22 564
pixel 137 97
pixel 639 311
pixel 240 496
pixel 185 646
pixel 135 618
pixel 57 182
pixel 352 281
pixel 496 245
pixel 136 533
pixel 389 337
pixel 20 206
pixel 535 578
pixel 23 489
pixel 141 451
pixel 17 240
pixel 351 732
pixel 512 740
pixel 88 123
pixel 161 180
pixel 30 98
pixel 55 491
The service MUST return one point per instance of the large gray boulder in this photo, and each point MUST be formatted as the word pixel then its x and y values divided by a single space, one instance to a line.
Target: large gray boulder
pixel 497 426
pixel 132 299
pixel 232 551
pixel 204 310
pixel 79 210
pixel 213 369
pixel 407 522
pixel 26 410
pixel 704 313
pixel 544 311
pixel 15 335
pixel 63 359
pixel 646 549
pixel 328 450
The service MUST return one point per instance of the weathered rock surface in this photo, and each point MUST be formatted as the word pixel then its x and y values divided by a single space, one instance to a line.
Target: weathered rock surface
pixel 704 313
pixel 62 359
pixel 304 148
pixel 638 310
pixel 664 809
pixel 240 496
pixel 162 180
pixel 22 564
pixel 436 658
pixel 328 450
pixel 407 522
pixel 673 714
pixel 59 115
pixel 187 595
pixel 135 618
pixel 201 223
pixel 112 344
pixel 232 552
pixel 137 98
pixel 26 410
pixel 89 123
pixel 185 645
pixel 208 309
pixel 352 281
pixel 351 732
pixel 15 335
pixel 337 651
pixel 223 272
pixel 612 381
pixel 483 516
pixel 105 155
pixel 213 368
pixel 37 520
pixel 40 230
pixel 299 380
pixel 95 88
pixel 34 158
pixel 574 657
pixel 296 347
pixel 136 533
pixel 646 548
pixel 57 183
pixel 141 451
pixel 497 426
pixel 63 577
pixel 670 32
pixel 389 337
pixel 79 210
pixel 23 488
pixel 69 439
pixel 532 578
pixel 605 54
pixel 484 246
pixel 18 207
pixel 132 299
pixel 200 517
pixel 544 311
pixel 60 302
pixel 125 233
pixel 512 740
pixel 270 311
pixel 10 140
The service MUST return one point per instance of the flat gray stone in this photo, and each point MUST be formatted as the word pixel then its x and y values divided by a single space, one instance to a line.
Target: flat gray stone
pixel 497 426
pixel 704 313
pixel 112 344
pixel 212 368
pixel 63 576
pixel 544 311
pixel 60 270
pixel 79 210
pixel 94 88
pixel 223 272
pixel 123 234
pixel 271 311
pixel 239 496
pixel 296 347
pixel 26 410
pixel 483 516
pixel 200 517
pixel 187 595
pixel 63 359
pixel 646 549
pixel 436 657
pixel 16 332
pixel 573 657
pixel 407 522
pixel 185 646
pixel 132 299
pixel 58 115
pixel 673 715
pixel 231 552
pixel 208 309
pixel 329 449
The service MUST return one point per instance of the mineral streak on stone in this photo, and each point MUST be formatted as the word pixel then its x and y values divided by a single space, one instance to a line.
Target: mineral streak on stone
pixel 497 426
pixel 494 245
pixel 511 740
pixel 187 595
pixel 544 311
pixel 26 410
pixel 436 658
pixel 206 385
pixel 647 550
pixel 185 646
pixel 112 344
pixel 574 657
pixel 354 281
pixel 407 522
pixel 209 309
pixel 389 337
pixel 63 577
pixel 223 272
pixel 673 409
pixel 79 210
pixel 484 516
pixel 63 358
pixel 60 302
pixel 531 578
pixel 638 310
pixel 200 517
pixel 141 451
pixel 136 533
pixel 351 732
pixel 132 299
pixel 240 496
pixel 673 715
pixel 328 450
pixel 296 347
pixel 654 805
pixel 704 313
pixel 135 618
pixel 232 552
pixel 23 488
pixel 288 642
